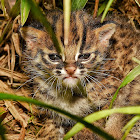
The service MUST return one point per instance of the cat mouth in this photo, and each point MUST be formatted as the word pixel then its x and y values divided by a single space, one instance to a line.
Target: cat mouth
pixel 71 77
pixel 70 81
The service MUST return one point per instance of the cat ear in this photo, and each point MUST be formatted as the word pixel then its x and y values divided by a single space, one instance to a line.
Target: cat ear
pixel 32 36
pixel 104 33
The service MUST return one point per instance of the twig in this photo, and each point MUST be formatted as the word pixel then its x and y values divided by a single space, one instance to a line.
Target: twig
pixel 15 113
pixel 95 8
pixel 54 4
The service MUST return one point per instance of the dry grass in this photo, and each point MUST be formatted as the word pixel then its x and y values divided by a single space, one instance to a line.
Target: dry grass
pixel 20 119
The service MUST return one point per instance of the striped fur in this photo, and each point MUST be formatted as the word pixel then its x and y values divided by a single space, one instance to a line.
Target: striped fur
pixel 92 68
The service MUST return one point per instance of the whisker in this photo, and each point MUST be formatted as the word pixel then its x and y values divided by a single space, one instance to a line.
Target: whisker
pixel 50 78
pixel 79 89
pixel 92 87
pixel 56 88
pixel 66 90
pixel 72 91
pixel 83 82
pixel 103 70
pixel 27 82
pixel 99 85
pixel 109 59
pixel 94 82
pixel 97 96
pixel 98 81
pixel 59 84
pixel 52 84
pixel 105 74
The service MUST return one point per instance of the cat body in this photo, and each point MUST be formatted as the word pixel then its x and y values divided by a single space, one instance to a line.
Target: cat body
pixel 96 60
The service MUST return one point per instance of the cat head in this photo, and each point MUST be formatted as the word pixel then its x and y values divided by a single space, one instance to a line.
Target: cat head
pixel 85 51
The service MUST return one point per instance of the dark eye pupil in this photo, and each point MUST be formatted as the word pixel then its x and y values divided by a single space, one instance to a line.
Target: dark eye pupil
pixel 84 56
pixel 54 57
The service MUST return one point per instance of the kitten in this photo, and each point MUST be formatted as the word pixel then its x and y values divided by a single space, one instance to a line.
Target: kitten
pixel 96 60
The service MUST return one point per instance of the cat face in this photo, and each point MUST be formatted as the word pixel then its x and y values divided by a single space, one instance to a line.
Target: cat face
pixel 85 51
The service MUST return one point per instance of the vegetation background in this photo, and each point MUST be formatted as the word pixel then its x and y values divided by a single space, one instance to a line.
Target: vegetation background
pixel 19 120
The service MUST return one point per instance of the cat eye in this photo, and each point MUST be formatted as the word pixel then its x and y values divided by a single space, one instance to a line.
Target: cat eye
pixel 54 57
pixel 84 56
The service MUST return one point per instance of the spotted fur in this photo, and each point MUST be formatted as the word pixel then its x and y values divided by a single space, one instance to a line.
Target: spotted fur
pixel 96 60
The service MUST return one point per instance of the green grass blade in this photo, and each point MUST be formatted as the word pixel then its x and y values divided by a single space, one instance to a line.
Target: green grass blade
pixel 67 13
pixel 6 30
pixel 106 9
pixel 102 114
pixel 78 4
pixel 129 126
pixel 3 7
pixel 15 9
pixel 130 77
pixel 138 3
pixel 25 9
pixel 2 132
pixel 136 60
pixel 5 96
pixel 37 13
pixel 101 8
pixel 2 111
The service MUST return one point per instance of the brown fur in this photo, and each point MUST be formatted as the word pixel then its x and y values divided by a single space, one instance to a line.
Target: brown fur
pixel 92 47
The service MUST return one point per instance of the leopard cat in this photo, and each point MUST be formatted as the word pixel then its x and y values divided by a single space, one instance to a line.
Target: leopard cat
pixel 95 61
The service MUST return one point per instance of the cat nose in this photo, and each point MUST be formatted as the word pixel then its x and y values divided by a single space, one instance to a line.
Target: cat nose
pixel 70 70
